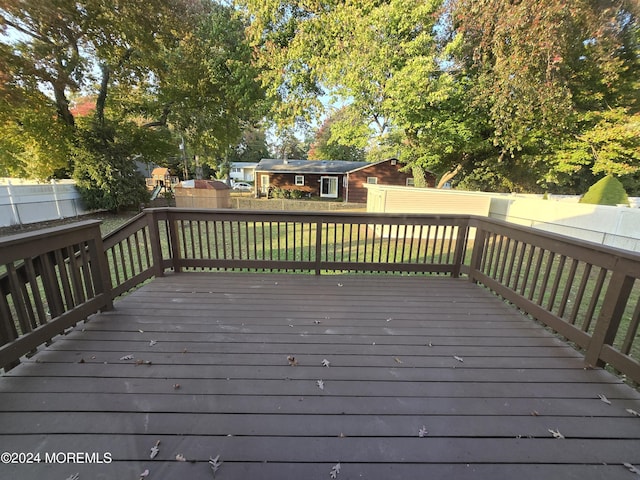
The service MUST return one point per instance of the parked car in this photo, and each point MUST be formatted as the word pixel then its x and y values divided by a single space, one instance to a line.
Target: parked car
pixel 242 186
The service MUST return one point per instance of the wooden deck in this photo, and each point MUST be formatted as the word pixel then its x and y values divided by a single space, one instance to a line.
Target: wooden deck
pixel 208 375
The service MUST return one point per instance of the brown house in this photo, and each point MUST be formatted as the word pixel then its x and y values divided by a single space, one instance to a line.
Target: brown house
pixel 331 178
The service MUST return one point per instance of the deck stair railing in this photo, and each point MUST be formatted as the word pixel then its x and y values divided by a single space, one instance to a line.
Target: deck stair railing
pixel 587 293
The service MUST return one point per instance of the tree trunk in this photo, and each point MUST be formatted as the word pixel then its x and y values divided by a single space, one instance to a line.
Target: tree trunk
pixel 62 105
pixel 102 95
pixel 449 175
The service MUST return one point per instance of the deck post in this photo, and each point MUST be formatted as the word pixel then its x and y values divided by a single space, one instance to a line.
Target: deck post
pixel 174 246
pixel 154 240
pixel 476 254
pixel 101 277
pixel 318 246
pixel 461 240
pixel 613 307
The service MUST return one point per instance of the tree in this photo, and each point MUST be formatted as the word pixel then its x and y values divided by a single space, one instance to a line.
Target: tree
pixel 325 147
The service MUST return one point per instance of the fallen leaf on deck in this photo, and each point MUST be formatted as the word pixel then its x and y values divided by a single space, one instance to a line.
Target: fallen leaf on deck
pixel 389 319
pixel 75 476
pixel 335 470
pixel 458 358
pixel 180 458
pixel 292 361
pixel 397 360
pixel 215 463
pixel 141 331
pixel 326 363
pixel 317 322
pixel 154 450
pixel 127 357
pixel 633 412
pixel 555 433
pixel 534 413
pixel 152 343
pixel 144 474
pixel 423 432
pixel 340 285
pixel 604 399
pixel 176 386
pixel 320 384
pixel 631 468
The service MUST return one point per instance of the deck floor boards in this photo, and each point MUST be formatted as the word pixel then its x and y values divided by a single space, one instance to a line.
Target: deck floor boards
pixel 198 362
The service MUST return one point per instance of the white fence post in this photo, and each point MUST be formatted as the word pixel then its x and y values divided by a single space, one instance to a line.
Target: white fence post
pixel 14 207
pixel 55 198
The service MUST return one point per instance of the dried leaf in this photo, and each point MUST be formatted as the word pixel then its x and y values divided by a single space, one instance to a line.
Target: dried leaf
pixel 152 343
pixel 340 285
pixel 631 468
pixel 75 476
pixel 317 322
pixel 145 473
pixel 555 433
pixel 326 363
pixel 423 432
pixel 633 412
pixel 397 360
pixel 180 458
pixel 176 386
pixel 292 361
pixel 154 450
pixel 320 384
pixel 127 357
pixel 534 413
pixel 604 399
pixel 141 331
pixel 335 470
pixel 215 463
pixel 458 358
pixel 389 319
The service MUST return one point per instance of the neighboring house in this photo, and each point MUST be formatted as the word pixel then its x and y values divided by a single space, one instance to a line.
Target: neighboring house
pixel 331 178
pixel 243 171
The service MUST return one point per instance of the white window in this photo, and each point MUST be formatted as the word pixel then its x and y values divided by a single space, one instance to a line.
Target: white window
pixel 299 179
pixel 410 182
pixel 372 180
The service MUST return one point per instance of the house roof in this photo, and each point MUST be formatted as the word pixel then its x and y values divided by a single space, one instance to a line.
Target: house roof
pixel 308 166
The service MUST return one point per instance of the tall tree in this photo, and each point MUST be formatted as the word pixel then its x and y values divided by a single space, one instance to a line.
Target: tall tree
pixel 325 147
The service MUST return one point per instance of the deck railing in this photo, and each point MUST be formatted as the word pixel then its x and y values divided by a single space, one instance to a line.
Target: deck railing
pixel 587 293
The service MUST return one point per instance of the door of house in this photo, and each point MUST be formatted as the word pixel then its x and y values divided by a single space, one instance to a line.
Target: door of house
pixel 264 185
pixel 329 187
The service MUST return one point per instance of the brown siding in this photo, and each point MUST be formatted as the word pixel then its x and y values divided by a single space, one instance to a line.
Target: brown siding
pixel 386 173
pixel 287 181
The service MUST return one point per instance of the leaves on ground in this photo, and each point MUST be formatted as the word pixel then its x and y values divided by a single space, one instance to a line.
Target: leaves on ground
pixel 555 433
pixel 127 357
pixel 633 412
pixel 75 476
pixel 180 458
pixel 152 343
pixel 604 399
pixel 397 360
pixel 460 359
pixel 215 464
pixel 320 384
pixel 155 450
pixel 145 474
pixel 292 360
pixel 423 432
pixel 335 470
pixel 326 363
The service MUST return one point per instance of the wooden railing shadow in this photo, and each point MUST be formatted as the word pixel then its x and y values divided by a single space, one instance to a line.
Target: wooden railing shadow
pixel 587 293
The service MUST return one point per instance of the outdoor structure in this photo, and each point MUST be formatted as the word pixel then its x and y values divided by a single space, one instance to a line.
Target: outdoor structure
pixel 331 178
pixel 243 171
pixel 439 362
pixel 202 194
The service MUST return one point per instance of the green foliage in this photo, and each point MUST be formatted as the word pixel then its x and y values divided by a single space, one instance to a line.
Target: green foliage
pixel 607 191
pixel 326 146
pixel 105 172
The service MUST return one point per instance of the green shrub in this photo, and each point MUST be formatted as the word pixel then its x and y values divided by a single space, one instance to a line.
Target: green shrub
pixel 607 191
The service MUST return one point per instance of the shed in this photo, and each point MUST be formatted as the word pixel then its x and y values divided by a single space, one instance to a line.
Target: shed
pixel 203 194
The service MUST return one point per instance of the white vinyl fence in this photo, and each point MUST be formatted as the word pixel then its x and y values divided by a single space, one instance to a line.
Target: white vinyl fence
pixel 24 202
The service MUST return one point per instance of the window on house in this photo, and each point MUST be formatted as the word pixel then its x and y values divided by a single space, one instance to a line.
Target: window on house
pixel 372 180
pixel 410 182
pixel 299 179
